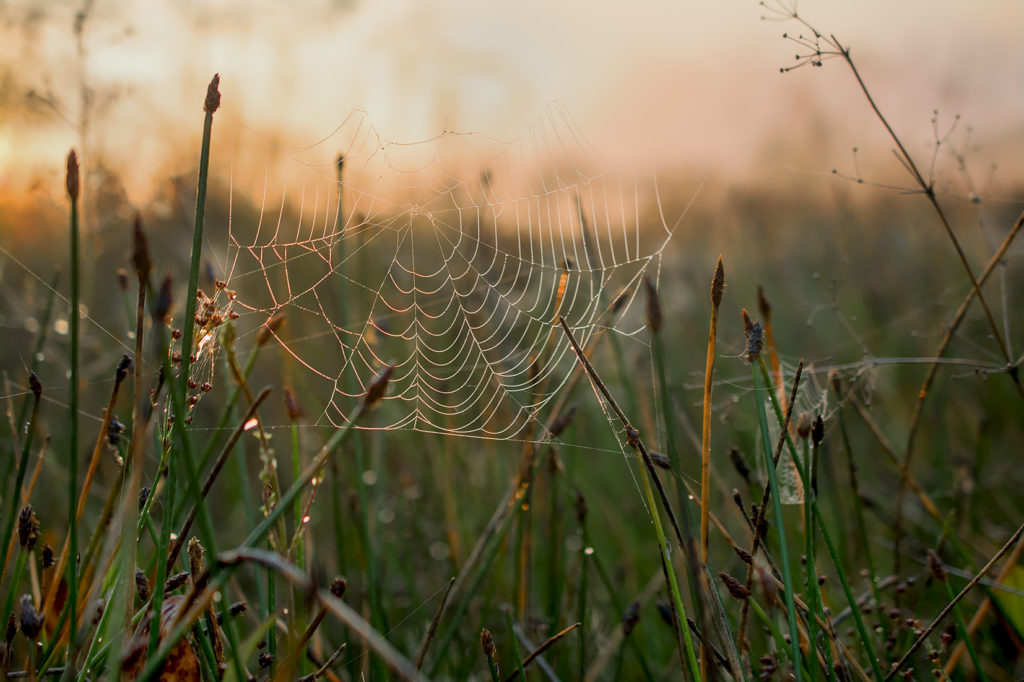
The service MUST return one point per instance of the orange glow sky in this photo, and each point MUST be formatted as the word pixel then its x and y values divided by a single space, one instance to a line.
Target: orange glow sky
pixel 673 83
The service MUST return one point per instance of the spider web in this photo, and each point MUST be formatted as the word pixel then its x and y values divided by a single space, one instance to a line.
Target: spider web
pixel 451 259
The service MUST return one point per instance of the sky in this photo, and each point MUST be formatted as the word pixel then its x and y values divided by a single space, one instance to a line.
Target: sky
pixel 682 84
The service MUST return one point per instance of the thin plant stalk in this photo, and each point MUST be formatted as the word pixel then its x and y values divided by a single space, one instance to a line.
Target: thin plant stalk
pixel 717 289
pixel 74 324
pixel 689 657
pixel 827 537
pixel 787 578
pixel 210 105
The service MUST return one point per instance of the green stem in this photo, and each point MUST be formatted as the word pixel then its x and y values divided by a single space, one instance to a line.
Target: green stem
pixel 787 578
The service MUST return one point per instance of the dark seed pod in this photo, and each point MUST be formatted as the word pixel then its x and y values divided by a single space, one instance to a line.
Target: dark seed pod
pixel 28 528
pixel 630 618
pixel 338 587
pixel 936 567
pixel 141 585
pixel 661 461
pixel 487 644
pixel 71 177
pixel 818 431
pixel 31 622
pixel 379 386
pixel 47 558
pixel 35 385
pixel 212 101
pixel 737 589
pixel 718 284
pixel 755 337
pixel 654 316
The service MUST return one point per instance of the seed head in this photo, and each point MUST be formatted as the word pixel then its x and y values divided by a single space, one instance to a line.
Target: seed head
pixel 487 644
pixel 48 560
pixel 379 386
pixel 338 587
pixel 175 581
pixel 818 431
pixel 212 102
pixel 743 554
pixel 659 460
pixel 630 618
pixel 35 385
pixel 122 369
pixel 737 589
pixel 937 569
pixel 31 621
pixel 12 629
pixel 141 584
pixel 581 507
pixel 71 177
pixel 291 405
pixel 163 303
pixel 28 528
pixel 755 337
pixel 803 426
pixel 562 421
pixel 718 284
pixel 763 306
pixel 140 252
pixel 269 329
pixel 654 317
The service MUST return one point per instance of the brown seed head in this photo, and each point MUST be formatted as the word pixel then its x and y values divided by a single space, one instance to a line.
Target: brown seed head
pixel 140 251
pixel 379 386
pixel 338 587
pixel 164 302
pixel 803 426
pixel 28 528
pixel 487 644
pixel 654 317
pixel 562 421
pixel 818 431
pixel 122 369
pixel 71 176
pixel 31 621
pixel 195 556
pixel 35 385
pixel 763 306
pixel 836 381
pixel 141 584
pixel 743 554
pixel 718 284
pixel 47 558
pixel 737 589
pixel 630 618
pixel 581 507
pixel 175 581
pixel 212 102
pixel 12 629
pixel 291 405
pixel 659 460
pixel 937 569
pixel 269 329
pixel 755 337
pixel 739 464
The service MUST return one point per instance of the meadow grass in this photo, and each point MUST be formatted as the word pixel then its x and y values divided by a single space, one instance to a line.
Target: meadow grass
pixel 592 555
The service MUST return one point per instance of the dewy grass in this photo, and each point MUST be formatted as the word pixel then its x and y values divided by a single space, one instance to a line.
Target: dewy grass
pixel 646 469
pixel 762 393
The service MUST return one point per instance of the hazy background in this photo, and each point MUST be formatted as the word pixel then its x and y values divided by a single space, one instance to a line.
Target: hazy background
pixel 678 85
